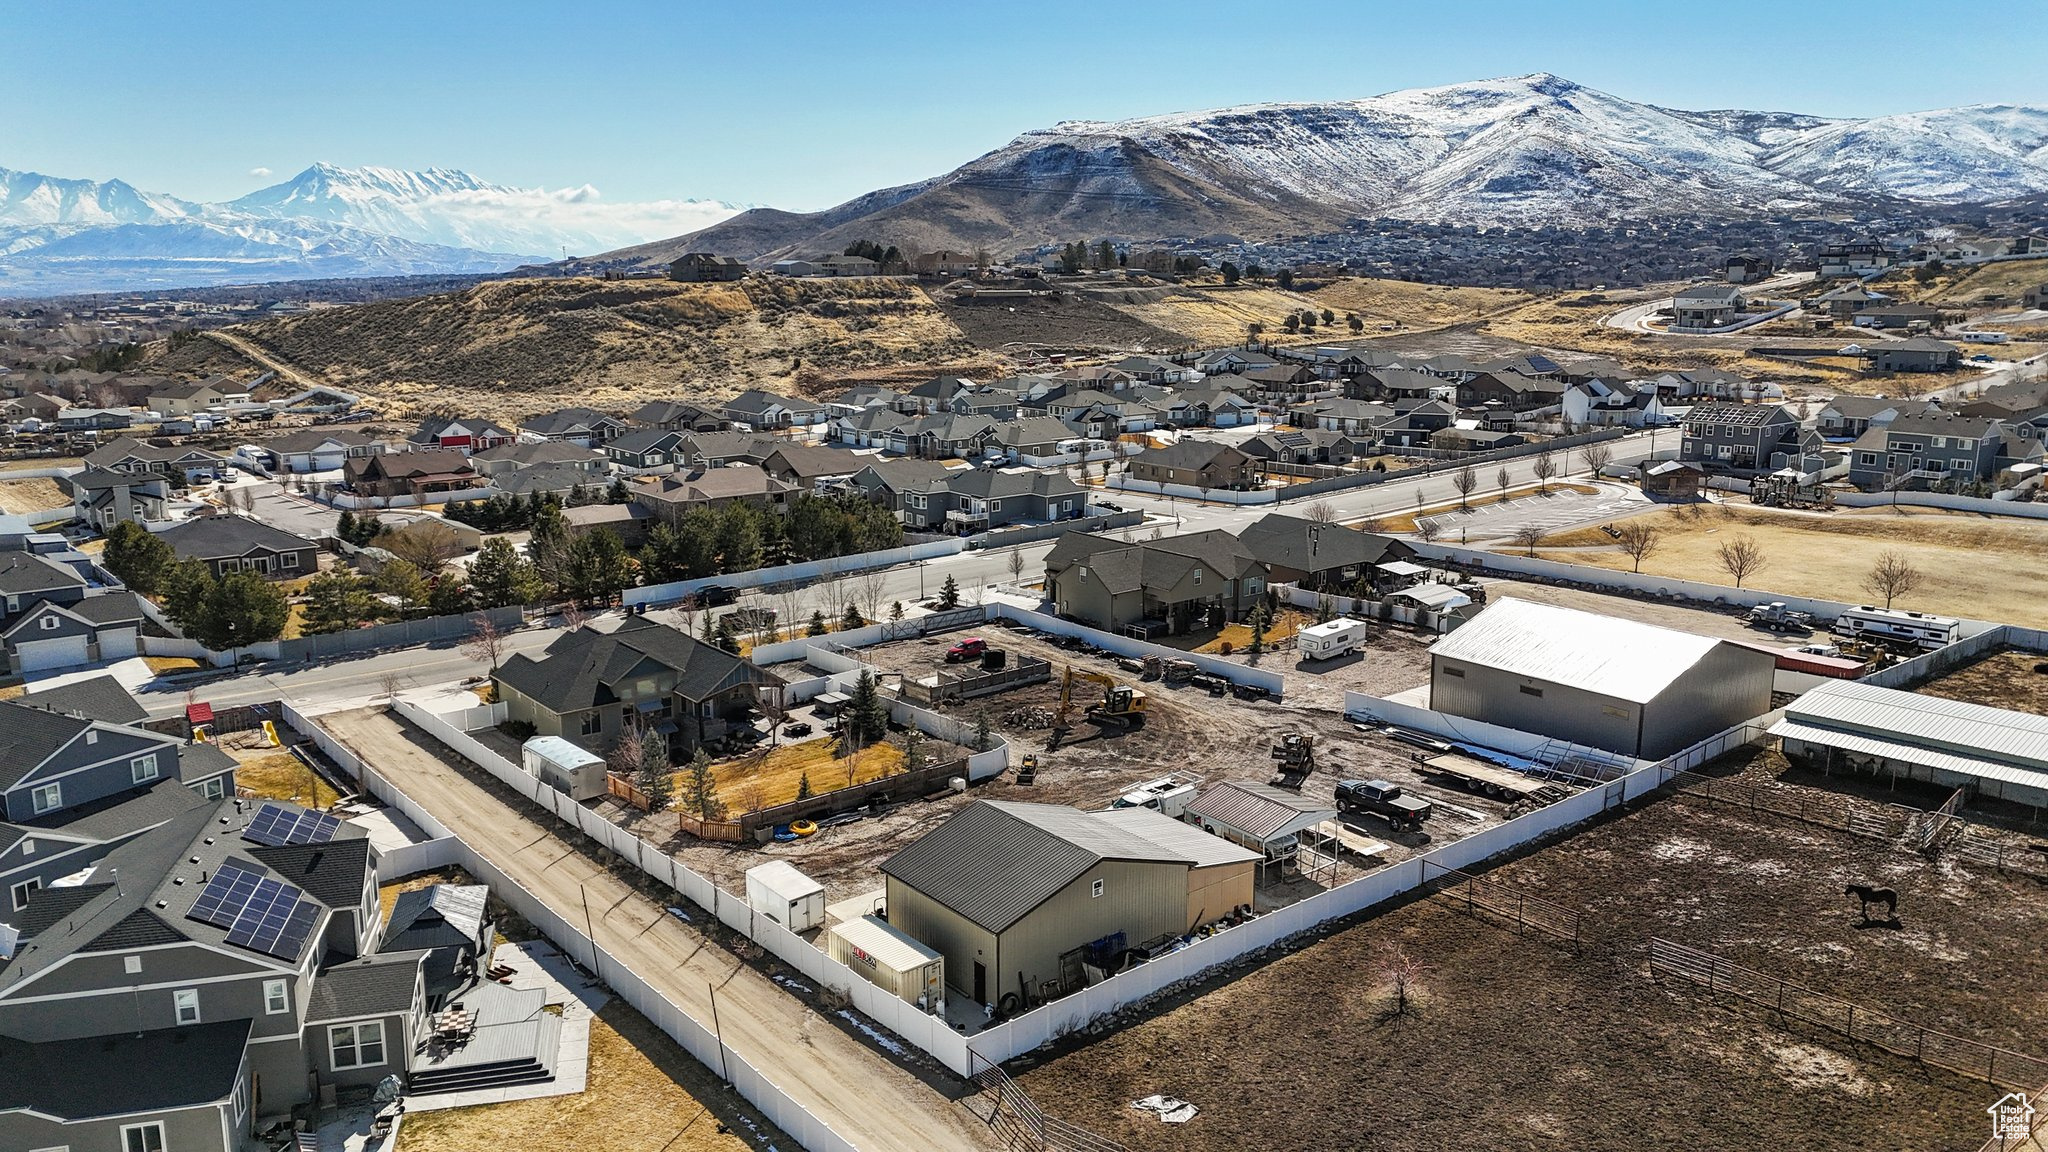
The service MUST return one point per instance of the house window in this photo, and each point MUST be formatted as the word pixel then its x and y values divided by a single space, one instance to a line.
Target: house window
pixel 1198 577
pixel 214 789
pixel 187 1003
pixel 142 768
pixel 49 623
pixel 20 893
pixel 291 560
pixel 1528 691
pixel 131 964
pixel 1096 890
pixel 592 724
pixel 47 798
pixel 276 997
pixel 142 1137
pixel 356 1045
pixel 28 847
pixel 1869 459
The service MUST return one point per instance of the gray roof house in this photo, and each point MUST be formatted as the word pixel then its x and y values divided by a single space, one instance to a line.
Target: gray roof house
pixel 1195 463
pixel 1707 306
pixel 449 922
pixel 48 635
pixel 229 542
pixel 1183 583
pixel 1738 437
pixel 97 698
pixel 102 497
pixel 678 416
pixel 585 426
pixel 1927 448
pixel 1919 354
pixel 761 410
pixel 1320 555
pixel 535 454
pixel 972 500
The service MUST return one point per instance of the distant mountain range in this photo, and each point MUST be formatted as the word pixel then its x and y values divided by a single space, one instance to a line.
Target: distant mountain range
pixel 1526 151
pixel 59 235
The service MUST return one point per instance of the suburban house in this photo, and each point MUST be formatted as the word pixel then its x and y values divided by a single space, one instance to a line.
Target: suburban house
pixel 1475 439
pixel 971 500
pixel 1509 390
pixel 678 416
pixel 877 427
pixel 1039 440
pixel 714 449
pixel 647 451
pixel 1707 306
pixel 844 266
pixel 451 924
pixel 1358 417
pixel 1927 447
pixel 945 263
pixel 1196 464
pixel 629 522
pixel 2020 402
pixel 182 465
pixel 1890 316
pixel 1747 269
pixel 887 481
pixel 104 498
pixel 96 698
pixel 595 688
pixel 583 426
pixel 712 488
pixel 545 480
pixel 1919 354
pixel 937 394
pixel 809 467
pixel 1847 417
pixel 2035 297
pixel 1304 446
pixel 229 543
pixel 311 450
pixel 1845 302
pixel 45 634
pixel 1151 370
pixel 1742 437
pixel 1179 584
pixel 1324 556
pixel 762 411
pixel 1857 259
pixel 411 473
pixel 1596 403
pixel 703 267
pixel 1282 383
pixel 538 454
pixel 1008 892
pixel 462 433
pixel 1234 361
pixel 187 398
pixel 1203 406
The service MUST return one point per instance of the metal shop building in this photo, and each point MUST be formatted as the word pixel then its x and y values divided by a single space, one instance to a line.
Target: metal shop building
pixel 1951 743
pixel 1603 682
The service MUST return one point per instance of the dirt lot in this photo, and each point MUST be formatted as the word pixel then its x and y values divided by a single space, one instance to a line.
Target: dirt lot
pixel 1415 305
pixel 1519 1044
pixel 36 495
pixel 2004 679
pixel 1700 621
pixel 1187 730
pixel 1973 566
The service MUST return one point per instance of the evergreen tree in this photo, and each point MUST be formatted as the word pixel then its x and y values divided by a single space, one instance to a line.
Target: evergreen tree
pixel 548 547
pixel 500 576
pixel 803 786
pixel 339 600
pixel 852 618
pixel 1231 275
pixel 896 610
pixel 656 777
pixel 401 580
pixel 139 558
pixel 618 493
pixel 983 738
pixel 949 593
pixel 235 611
pixel 817 627
pixel 913 749
pixel 867 713
pixel 450 595
pixel 698 788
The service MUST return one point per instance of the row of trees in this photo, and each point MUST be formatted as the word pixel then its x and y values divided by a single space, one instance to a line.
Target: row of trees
pixel 223 612
pixel 739 537
pixel 502 513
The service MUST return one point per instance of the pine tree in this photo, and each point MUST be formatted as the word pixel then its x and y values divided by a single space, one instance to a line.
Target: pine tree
pixel 698 788
pixel 803 786
pixel 913 749
pixel 656 776
pixel 852 618
pixel 896 610
pixel 949 593
pixel 817 627
pixel 983 738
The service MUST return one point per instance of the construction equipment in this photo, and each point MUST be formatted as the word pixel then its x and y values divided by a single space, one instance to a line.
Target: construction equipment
pixel 1180 671
pixel 1295 755
pixel 1027 770
pixel 1778 618
pixel 1782 489
pixel 1121 706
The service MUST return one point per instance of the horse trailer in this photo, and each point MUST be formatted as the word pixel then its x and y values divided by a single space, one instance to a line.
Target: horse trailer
pixel 1894 625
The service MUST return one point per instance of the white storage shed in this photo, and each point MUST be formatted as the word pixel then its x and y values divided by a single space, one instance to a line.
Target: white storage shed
pixel 788 897
pixel 565 767
pixel 890 960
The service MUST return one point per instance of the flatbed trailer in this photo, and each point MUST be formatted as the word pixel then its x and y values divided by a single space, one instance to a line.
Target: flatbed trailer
pixel 1492 780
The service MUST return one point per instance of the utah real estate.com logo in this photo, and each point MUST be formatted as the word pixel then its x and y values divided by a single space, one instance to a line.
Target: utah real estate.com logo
pixel 2012 1118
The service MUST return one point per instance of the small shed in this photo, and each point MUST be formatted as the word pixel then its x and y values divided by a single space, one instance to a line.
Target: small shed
pixel 1266 819
pixel 565 767
pixel 788 897
pixel 1673 480
pixel 451 922
pixel 890 960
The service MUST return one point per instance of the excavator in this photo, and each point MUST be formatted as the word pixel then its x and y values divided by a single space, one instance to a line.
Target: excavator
pixel 1121 706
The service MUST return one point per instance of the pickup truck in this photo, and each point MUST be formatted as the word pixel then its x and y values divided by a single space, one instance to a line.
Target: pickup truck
pixel 1385 800
pixel 1778 618
pixel 968 649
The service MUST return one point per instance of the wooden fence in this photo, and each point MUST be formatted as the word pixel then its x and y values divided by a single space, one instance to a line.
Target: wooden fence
pixel 1475 893
pixel 1999 1066
pixel 1023 1126
pixel 1839 813
pixel 722 830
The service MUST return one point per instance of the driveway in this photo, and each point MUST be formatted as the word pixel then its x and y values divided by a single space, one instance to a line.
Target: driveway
pixel 863 1096
pixel 295 514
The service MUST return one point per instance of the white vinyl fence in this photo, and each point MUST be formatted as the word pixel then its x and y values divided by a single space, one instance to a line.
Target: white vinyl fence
pixel 1231 671
pixel 806 573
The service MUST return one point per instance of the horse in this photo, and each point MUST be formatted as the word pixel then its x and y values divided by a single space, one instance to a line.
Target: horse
pixel 1870 895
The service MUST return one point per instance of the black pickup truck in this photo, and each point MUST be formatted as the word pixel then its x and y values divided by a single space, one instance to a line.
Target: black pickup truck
pixel 1385 800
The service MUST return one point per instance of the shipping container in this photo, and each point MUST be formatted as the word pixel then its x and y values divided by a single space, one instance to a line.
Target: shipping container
pixel 889 959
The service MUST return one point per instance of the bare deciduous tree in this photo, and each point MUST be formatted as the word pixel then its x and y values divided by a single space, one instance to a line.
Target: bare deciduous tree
pixel 1529 536
pixel 1403 974
pixel 1544 467
pixel 868 589
pixel 1741 558
pixel 1596 457
pixel 1373 524
pixel 1638 540
pixel 1321 512
pixel 485 643
pixel 1891 577
pixel 1465 480
pixel 428 544
pixel 1017 567
pixel 1428 529
pixel 1503 478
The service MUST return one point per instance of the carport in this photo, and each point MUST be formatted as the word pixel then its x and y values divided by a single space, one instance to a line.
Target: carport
pixel 1266 819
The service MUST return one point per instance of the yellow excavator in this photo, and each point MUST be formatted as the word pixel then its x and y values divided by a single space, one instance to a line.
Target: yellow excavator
pixel 1121 705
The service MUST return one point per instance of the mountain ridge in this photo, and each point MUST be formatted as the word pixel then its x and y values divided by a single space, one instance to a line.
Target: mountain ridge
pixel 1514 151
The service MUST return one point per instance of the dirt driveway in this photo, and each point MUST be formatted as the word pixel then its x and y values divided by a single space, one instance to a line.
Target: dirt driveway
pixel 864 1097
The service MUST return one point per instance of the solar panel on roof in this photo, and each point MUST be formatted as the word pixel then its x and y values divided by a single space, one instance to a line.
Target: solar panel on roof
pixel 276 826
pixel 259 912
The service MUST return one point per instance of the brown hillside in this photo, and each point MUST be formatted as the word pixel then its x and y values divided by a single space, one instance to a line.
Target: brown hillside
pixel 515 346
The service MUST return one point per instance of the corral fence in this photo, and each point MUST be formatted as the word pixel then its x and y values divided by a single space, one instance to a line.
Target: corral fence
pixel 1015 1117
pixel 1839 813
pixel 1473 894
pixel 2000 1066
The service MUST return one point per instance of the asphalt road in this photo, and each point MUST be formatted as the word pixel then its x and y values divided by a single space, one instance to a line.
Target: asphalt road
pixel 858 1092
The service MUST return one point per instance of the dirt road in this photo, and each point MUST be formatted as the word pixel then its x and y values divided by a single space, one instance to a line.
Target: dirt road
pixel 862 1095
pixel 257 356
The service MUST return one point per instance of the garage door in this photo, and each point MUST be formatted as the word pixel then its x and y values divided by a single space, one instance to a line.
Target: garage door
pixel 37 655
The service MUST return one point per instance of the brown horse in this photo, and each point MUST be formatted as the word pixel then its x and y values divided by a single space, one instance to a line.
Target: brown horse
pixel 1872 895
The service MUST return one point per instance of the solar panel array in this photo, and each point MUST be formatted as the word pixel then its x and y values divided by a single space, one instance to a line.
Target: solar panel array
pixel 260 912
pixel 276 825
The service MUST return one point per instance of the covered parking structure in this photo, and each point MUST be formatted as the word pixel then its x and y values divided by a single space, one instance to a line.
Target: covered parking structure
pixel 1992 752
pixel 1270 821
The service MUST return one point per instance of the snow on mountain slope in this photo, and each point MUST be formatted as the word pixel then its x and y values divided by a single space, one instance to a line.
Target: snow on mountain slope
pixel 1986 152
pixel 28 198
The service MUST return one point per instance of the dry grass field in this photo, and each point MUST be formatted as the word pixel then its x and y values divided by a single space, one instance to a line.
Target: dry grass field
pixel 276 775
pixel 1414 305
pixel 1979 286
pixel 1971 566
pixel 1221 315
pixel 767 778
pixel 33 495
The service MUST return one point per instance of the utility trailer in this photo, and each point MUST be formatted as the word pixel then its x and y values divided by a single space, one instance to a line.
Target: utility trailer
pixel 1503 784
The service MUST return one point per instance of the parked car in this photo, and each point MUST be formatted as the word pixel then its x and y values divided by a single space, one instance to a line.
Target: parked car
pixel 714 595
pixel 968 649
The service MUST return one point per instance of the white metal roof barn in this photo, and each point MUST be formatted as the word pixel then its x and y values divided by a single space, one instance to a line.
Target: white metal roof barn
pixel 1596 680
pixel 1955 744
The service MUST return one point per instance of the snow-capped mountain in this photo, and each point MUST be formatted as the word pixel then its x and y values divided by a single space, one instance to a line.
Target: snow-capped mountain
pixel 59 235
pixel 1527 150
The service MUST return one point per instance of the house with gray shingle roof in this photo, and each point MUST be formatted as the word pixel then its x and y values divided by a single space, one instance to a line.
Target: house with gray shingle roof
pixel 1189 582
pixel 229 543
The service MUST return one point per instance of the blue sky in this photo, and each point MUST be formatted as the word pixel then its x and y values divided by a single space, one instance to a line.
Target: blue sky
pixel 801 105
